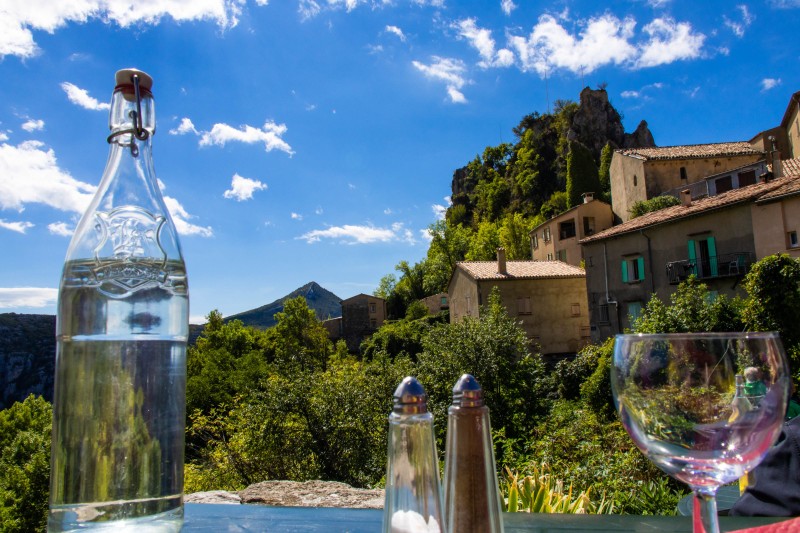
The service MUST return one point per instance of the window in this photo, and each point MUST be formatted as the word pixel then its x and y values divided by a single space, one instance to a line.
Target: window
pixel 372 308
pixel 634 180
pixel 561 255
pixel 546 234
pixel 443 301
pixel 373 323
pixel 576 309
pixel 723 184
pixel 524 306
pixel 549 257
pixel 632 269
pixel 586 332
pixel 535 241
pixel 684 177
pixel 703 257
pixel 469 304
pixel 589 262
pixel 588 225
pixel 602 314
pixel 747 178
pixel 634 311
pixel 793 243
pixel 566 229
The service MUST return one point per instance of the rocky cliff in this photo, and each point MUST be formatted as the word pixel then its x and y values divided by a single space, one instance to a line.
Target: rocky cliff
pixel 27 357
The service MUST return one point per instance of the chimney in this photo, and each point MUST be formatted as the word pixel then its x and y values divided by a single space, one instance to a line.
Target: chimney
pixel 777 168
pixel 501 261
pixel 587 197
pixel 686 197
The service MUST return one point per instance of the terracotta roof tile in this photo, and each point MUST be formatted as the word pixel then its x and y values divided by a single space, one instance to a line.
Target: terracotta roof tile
pixel 702 205
pixel 790 187
pixel 691 151
pixel 482 270
pixel 790 167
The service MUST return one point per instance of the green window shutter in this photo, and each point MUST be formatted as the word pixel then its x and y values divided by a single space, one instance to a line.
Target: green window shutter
pixel 640 262
pixel 692 256
pixel 712 253
pixel 624 271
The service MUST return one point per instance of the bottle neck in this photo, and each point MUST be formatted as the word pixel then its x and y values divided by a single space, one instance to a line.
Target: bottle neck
pixel 132 120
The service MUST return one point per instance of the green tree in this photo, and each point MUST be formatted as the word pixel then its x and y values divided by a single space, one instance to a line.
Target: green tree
pixel 301 341
pixel 449 244
pixel 484 245
pixel 604 170
pixel 582 173
pixel 495 350
pixel 555 205
pixel 773 286
pixel 653 204
pixel 514 236
pixel 25 465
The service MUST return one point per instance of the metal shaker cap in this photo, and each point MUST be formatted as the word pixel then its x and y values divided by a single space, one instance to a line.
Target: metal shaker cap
pixel 124 77
pixel 410 397
pixel 467 392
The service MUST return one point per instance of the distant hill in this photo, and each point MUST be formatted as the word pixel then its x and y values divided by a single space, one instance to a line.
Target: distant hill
pixel 323 302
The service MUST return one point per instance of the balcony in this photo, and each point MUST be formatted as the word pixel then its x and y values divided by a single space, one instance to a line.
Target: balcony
pixel 735 264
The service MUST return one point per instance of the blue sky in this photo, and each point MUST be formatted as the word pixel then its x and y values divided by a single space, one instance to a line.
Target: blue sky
pixel 316 140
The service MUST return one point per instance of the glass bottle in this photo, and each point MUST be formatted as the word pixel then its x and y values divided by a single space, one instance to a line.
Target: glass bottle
pixel 122 327
pixel 471 494
pixel 413 501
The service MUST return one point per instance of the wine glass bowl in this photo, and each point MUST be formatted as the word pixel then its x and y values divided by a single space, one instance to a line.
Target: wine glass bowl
pixel 682 399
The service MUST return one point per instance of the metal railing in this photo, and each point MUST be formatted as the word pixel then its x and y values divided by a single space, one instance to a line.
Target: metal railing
pixel 715 266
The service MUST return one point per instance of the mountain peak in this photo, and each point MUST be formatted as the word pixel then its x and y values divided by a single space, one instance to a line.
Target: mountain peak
pixel 324 303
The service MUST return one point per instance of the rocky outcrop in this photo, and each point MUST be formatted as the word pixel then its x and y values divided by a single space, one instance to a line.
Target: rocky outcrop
pixel 313 493
pixel 596 122
pixel 641 138
pixel 27 357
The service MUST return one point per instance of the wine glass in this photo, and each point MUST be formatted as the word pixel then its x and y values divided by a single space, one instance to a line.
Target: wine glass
pixel 678 399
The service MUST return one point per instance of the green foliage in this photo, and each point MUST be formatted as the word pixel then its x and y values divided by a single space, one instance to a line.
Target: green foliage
pixel 692 309
pixel 570 374
pixel 555 205
pixel 514 234
pixel 540 492
pixel 596 390
pixel 494 349
pixel 653 204
pixel 581 173
pixel 449 244
pixel 773 285
pixel 587 452
pixel 485 243
pixel 397 338
pixel 301 341
pixel 604 170
pixel 25 465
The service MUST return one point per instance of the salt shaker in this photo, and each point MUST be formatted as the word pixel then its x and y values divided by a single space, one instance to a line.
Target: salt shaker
pixel 471 494
pixel 413 496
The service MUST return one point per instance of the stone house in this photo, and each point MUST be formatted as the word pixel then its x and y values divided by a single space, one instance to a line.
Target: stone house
pixel 557 238
pixel 436 303
pixel 548 298
pixel 716 238
pixel 362 315
pixel 639 174
pixel 785 138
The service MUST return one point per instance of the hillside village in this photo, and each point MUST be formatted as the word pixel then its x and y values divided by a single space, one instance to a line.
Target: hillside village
pixel 594 267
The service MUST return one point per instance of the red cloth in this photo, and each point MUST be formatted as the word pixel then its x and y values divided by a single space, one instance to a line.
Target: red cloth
pixel 787 526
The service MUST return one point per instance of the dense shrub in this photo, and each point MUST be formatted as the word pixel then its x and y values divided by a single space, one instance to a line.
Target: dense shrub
pixel 25 465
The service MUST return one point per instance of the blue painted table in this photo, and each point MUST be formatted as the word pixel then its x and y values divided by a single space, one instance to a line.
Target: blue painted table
pixel 218 518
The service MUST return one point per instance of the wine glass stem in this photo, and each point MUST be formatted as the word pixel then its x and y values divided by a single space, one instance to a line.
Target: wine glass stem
pixel 704 513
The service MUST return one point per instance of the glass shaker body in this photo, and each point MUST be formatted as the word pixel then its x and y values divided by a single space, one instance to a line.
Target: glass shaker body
pixel 413 501
pixel 122 327
pixel 471 493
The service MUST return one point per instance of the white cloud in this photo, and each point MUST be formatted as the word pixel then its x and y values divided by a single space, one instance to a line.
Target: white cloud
pixel 61 229
pixel 186 126
pixel 27 297
pixel 20 19
pixel 270 135
pixel 604 40
pixel 3 136
pixel 769 83
pixel 642 93
pixel 387 211
pixel 481 39
pixel 426 235
pixel 31 125
pixel 318 211
pixel 396 31
pixel 243 188
pixel 670 41
pixel 297 216
pixel 738 27
pixel 447 70
pixel 181 219
pixel 507 6
pixel 352 234
pixel 439 211
pixel 19 227
pixel 29 173
pixel 81 97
